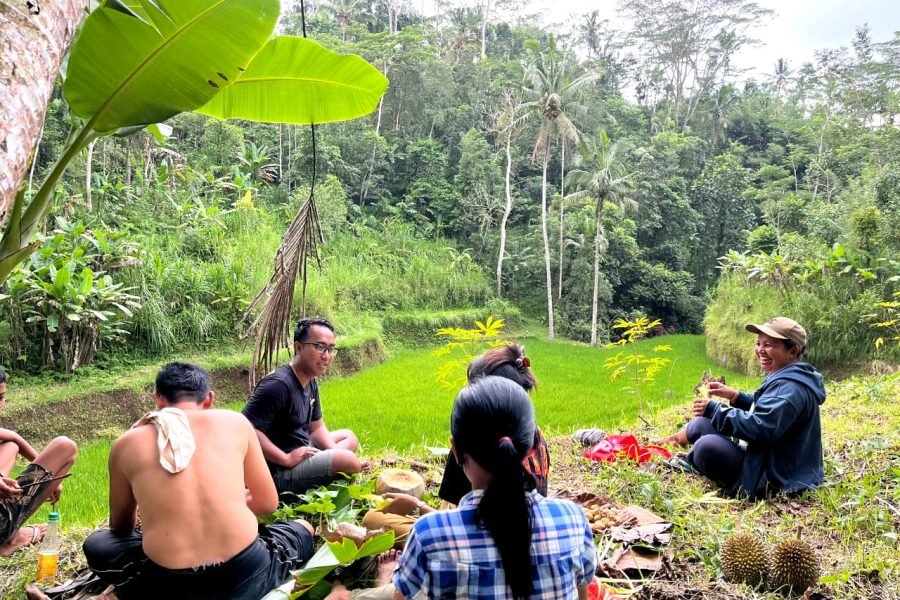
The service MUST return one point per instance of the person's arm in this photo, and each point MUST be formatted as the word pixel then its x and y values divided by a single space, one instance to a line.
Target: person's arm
pixel 25 449
pixel 262 497
pixel 122 503
pixel 735 397
pixel 404 504
pixel 589 558
pixel 277 456
pixel 319 435
pixel 774 415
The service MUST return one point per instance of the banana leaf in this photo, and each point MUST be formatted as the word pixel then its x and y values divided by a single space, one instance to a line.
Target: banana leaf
pixel 137 62
pixel 295 80
pixel 323 562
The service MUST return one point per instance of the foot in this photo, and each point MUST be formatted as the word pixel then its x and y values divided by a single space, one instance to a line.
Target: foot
pixel 387 562
pixel 676 439
pixel 338 592
pixel 26 536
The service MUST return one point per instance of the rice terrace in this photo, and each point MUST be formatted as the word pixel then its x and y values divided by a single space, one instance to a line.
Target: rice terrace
pixel 333 299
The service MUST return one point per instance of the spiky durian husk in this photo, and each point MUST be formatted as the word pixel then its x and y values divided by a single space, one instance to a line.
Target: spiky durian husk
pixel 743 559
pixel 794 565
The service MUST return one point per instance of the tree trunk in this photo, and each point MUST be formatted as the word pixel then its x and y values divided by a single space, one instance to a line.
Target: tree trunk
pixel 88 169
pixel 546 236
pixel 484 22
pixel 562 212
pixel 598 229
pixel 33 40
pixel 506 211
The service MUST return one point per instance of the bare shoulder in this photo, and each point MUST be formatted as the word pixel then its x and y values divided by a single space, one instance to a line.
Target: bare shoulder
pixel 133 439
pixel 226 418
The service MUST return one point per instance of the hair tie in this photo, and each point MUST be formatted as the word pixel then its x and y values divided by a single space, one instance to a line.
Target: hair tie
pixel 505 438
pixel 522 363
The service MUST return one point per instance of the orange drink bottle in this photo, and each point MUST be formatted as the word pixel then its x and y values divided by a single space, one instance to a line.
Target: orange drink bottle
pixel 49 552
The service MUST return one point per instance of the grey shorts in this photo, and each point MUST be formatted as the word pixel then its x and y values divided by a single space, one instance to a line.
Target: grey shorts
pixel 312 472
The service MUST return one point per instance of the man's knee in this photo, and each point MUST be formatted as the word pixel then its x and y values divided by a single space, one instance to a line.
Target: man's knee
pixel 100 549
pixel 306 525
pixel 697 428
pixel 64 448
pixel 347 439
pixel 345 461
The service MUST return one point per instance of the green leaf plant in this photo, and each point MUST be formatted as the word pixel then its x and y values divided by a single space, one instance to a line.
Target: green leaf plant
pixel 463 346
pixel 636 366
pixel 136 63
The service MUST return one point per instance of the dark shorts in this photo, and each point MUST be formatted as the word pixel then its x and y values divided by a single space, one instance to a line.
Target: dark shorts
pixel 15 511
pixel 258 569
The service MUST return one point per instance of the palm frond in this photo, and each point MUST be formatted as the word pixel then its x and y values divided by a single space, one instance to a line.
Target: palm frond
pixel 272 325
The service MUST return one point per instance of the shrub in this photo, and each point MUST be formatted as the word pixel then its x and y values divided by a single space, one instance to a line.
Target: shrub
pixel 62 302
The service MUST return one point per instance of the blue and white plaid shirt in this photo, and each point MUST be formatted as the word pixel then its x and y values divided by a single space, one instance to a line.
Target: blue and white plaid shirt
pixel 448 556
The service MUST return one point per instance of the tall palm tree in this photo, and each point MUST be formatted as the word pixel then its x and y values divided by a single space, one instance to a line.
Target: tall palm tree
pixel 604 177
pixel 345 12
pixel 551 93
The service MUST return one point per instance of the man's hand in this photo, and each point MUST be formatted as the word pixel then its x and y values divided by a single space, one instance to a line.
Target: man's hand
pixel 54 496
pixel 699 407
pixel 722 391
pixel 298 455
pixel 401 504
pixel 9 488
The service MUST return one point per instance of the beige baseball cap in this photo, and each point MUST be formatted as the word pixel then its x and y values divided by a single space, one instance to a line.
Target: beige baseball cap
pixel 781 328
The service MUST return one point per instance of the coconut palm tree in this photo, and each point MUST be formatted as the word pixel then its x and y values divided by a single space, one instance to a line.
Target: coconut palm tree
pixel 346 12
pixel 603 177
pixel 550 94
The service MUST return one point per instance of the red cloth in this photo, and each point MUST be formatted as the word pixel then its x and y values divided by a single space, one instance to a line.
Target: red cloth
pixel 613 446
pixel 598 591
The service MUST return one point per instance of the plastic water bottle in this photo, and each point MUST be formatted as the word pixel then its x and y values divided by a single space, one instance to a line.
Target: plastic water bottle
pixel 49 553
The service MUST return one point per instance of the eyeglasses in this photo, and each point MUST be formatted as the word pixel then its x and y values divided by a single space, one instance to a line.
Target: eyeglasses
pixel 321 348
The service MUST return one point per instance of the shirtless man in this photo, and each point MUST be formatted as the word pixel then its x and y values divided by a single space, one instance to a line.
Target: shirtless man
pixel 286 411
pixel 37 483
pixel 199 478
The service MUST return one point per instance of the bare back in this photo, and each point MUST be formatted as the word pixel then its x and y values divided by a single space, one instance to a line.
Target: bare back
pixel 201 515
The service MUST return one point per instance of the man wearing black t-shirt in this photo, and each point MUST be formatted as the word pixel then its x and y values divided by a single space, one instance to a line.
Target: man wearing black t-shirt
pixel 286 411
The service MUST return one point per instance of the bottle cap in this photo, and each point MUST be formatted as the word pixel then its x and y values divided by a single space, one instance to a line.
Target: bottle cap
pixel 54 516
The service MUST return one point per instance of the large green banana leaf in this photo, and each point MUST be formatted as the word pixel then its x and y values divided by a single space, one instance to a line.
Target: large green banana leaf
pixel 142 61
pixel 295 80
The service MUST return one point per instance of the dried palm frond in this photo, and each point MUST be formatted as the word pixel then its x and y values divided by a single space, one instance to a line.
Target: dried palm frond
pixel 272 325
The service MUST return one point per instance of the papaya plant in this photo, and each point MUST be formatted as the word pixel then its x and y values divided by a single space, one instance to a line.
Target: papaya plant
pixel 136 63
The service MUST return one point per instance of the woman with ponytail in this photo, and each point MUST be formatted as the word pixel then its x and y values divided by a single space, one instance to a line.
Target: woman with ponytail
pixel 505 540
pixel 507 361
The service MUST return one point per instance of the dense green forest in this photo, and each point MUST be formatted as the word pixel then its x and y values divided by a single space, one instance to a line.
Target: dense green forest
pixel 580 175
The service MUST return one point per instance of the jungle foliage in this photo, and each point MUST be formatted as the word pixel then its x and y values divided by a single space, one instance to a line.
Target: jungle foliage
pixel 772 176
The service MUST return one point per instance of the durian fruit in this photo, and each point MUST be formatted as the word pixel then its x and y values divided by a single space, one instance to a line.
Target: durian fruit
pixel 794 565
pixel 743 558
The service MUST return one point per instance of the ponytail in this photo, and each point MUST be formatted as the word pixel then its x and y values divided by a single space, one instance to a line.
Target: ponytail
pixel 493 422
pixel 503 511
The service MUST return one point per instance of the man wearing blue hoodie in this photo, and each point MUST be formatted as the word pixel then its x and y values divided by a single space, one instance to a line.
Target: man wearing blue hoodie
pixel 770 440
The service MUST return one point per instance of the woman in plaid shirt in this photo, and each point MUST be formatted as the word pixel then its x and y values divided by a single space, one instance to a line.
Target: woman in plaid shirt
pixel 505 540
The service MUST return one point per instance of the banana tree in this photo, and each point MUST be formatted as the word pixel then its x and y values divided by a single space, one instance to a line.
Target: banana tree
pixel 140 62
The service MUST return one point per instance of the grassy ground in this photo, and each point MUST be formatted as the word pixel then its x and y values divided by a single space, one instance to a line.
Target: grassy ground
pixel 398 407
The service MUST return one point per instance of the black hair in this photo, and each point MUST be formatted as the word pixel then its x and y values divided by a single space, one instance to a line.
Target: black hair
pixel 508 361
pixel 791 344
pixel 2 375
pixel 301 332
pixel 493 423
pixel 178 380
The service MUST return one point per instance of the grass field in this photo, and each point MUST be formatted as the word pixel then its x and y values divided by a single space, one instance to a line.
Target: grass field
pixel 398 407
pixel 852 520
